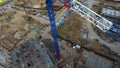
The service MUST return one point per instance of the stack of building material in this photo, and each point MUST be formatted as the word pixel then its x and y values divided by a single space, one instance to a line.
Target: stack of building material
pixel 4 58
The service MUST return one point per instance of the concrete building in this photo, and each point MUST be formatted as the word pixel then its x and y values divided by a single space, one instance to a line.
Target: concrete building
pixel 95 61
pixel 32 54
pixel 110 12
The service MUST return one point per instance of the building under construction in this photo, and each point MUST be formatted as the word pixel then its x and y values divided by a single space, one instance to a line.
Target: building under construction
pixel 60 34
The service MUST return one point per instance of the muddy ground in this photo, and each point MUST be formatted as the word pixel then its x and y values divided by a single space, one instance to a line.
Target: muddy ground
pixel 72 31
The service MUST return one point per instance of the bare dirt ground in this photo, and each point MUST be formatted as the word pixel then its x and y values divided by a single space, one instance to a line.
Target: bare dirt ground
pixel 18 25
pixel 71 30
pixel 70 56
pixel 39 4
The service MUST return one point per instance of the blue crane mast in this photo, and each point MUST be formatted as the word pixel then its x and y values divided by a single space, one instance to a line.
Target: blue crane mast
pixel 49 4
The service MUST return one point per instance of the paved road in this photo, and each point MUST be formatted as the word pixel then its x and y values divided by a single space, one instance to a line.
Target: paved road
pixel 95 61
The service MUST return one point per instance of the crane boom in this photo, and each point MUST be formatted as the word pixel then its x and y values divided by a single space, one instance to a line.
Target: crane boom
pixel 111 29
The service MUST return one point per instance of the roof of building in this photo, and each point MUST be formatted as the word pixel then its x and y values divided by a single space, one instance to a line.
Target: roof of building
pixel 95 61
pixel 110 12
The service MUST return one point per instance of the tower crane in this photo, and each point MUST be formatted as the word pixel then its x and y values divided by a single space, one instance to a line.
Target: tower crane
pixel 110 28
pixel 49 4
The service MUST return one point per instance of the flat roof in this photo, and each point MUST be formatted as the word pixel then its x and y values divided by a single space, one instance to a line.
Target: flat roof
pixel 110 12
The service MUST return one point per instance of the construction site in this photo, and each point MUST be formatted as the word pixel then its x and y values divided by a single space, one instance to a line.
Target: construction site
pixel 59 33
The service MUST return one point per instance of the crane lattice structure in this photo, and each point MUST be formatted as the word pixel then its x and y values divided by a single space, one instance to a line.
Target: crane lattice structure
pixel 51 15
pixel 110 28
